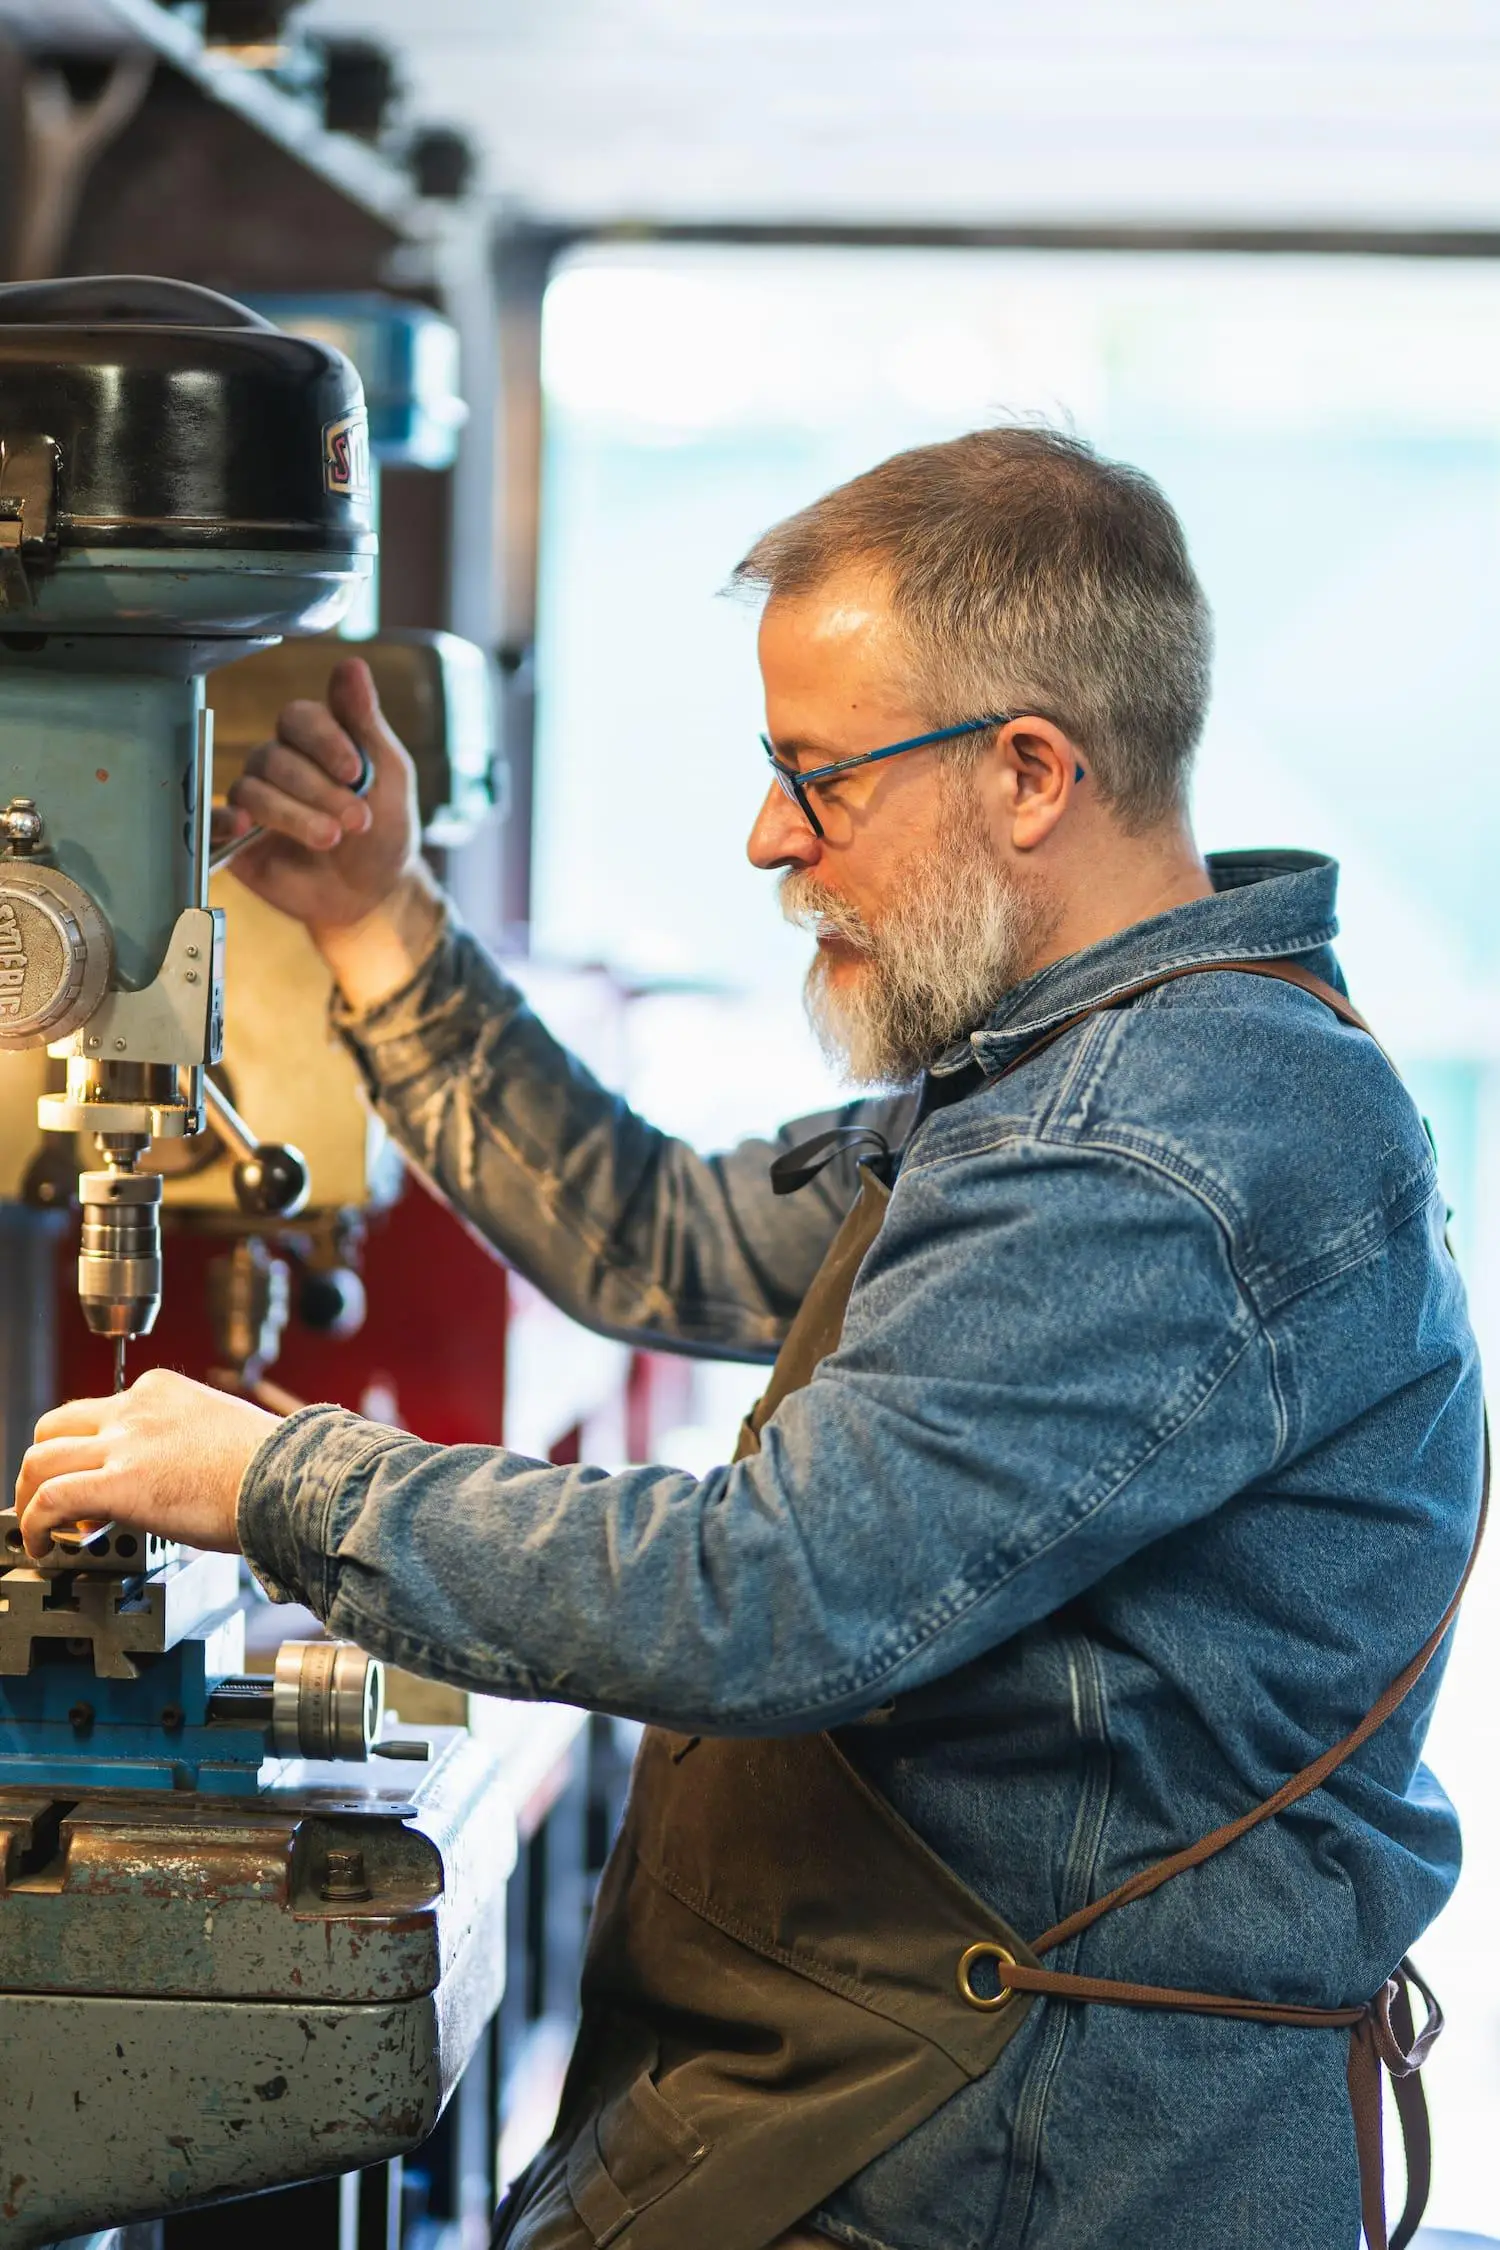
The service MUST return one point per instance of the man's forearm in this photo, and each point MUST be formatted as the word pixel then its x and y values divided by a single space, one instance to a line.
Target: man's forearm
pixel 376 957
pixel 625 1227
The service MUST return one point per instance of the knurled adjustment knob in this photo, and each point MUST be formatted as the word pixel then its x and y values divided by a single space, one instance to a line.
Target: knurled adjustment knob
pixel 56 954
pixel 327 1700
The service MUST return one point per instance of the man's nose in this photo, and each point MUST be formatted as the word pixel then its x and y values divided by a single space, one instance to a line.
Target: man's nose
pixel 780 836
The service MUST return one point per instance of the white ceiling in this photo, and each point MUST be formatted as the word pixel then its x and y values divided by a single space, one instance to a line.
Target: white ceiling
pixel 1363 112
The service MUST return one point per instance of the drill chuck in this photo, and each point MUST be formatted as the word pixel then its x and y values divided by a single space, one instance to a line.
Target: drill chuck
pixel 119 1259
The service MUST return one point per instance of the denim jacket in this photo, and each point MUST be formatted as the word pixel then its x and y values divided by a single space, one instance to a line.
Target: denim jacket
pixel 1150 1453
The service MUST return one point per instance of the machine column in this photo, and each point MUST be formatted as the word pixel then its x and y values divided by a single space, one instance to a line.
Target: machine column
pixel 28 1329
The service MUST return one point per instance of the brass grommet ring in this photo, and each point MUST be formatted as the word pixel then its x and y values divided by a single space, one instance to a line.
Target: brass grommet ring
pixel 985 1950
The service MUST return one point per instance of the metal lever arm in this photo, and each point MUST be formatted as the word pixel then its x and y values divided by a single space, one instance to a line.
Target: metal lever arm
pixel 271 1179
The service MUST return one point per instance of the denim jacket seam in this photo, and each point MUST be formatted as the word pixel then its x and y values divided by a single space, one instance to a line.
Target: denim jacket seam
pixel 1082 1069
pixel 1094 1059
pixel 839 2230
pixel 1147 1151
pixel 968 1591
pixel 1081 1863
pixel 1356 1247
pixel 1264 1286
pixel 1168 1160
pixel 1279 1398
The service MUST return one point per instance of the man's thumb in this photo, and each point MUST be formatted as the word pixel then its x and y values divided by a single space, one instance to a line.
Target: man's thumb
pixel 355 703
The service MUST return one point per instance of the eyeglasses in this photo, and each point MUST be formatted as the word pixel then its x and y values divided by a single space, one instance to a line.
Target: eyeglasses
pixel 796 785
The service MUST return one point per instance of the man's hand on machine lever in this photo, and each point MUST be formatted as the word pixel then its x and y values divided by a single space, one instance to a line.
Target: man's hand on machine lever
pixel 349 867
pixel 168 1456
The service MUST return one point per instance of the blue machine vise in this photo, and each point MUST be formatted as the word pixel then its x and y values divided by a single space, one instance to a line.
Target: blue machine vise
pixel 121 1667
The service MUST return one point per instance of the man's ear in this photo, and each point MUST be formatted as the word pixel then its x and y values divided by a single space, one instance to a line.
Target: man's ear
pixel 1040 770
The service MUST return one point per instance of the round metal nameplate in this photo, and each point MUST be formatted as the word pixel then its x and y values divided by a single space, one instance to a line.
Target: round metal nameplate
pixel 55 954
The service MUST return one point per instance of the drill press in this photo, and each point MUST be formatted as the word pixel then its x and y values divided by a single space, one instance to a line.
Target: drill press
pixel 224 1944
pixel 179 483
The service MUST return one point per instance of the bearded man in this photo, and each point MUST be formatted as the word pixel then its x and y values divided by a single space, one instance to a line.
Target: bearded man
pixel 1122 1451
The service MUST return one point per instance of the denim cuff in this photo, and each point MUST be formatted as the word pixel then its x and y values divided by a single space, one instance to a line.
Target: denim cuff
pixel 289 1496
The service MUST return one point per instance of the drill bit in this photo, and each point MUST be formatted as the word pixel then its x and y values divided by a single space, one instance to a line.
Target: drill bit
pixel 119 1364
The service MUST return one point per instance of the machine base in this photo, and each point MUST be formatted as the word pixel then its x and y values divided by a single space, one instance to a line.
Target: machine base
pixel 236 2086
pixel 201 1998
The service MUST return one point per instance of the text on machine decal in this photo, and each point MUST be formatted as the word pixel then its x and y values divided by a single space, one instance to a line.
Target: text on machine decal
pixel 13 963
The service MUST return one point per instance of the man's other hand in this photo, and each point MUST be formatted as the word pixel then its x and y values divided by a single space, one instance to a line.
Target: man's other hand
pixel 328 858
pixel 166 1456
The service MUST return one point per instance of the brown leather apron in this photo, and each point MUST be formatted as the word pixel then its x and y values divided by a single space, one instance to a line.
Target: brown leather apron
pixel 782 1979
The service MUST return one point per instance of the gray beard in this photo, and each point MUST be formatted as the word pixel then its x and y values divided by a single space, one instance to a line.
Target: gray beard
pixel 936 964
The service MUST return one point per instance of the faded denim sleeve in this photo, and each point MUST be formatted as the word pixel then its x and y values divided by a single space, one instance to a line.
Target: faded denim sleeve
pixel 1048 1363
pixel 630 1231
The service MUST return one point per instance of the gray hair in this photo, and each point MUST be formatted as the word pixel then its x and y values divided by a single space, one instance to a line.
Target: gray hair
pixel 1028 573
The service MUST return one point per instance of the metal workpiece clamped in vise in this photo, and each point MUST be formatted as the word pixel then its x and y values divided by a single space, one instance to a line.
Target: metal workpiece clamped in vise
pixel 120 1660
pixel 180 483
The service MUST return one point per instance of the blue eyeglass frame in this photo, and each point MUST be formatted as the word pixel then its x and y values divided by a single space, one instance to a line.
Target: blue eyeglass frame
pixel 796 785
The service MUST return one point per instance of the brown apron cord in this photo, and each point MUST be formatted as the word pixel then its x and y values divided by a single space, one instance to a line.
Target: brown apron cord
pixel 1382 2033
pixel 1301 1784
pixel 1113 1991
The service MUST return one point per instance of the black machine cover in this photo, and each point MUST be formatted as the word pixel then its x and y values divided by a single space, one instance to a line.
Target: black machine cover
pixel 177 418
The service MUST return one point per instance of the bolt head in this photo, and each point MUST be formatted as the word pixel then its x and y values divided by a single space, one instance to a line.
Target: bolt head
pixel 21 824
pixel 344 1877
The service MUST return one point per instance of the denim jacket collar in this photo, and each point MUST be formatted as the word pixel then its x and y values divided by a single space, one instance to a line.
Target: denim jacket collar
pixel 1266 904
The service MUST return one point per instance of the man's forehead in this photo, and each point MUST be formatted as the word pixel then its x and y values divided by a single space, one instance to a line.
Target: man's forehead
pixel 851 606
pixel 837 640
pixel 834 671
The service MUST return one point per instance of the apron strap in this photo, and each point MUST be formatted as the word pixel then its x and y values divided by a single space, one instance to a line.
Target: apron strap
pixel 796 1166
pixel 1383 2041
pixel 1280 971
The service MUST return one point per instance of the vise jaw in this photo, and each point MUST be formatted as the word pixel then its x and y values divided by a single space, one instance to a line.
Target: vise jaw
pixel 123 1595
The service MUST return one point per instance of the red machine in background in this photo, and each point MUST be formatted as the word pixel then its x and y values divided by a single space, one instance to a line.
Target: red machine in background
pixel 429 1354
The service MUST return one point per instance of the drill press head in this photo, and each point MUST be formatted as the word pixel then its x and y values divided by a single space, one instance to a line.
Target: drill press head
pixel 179 483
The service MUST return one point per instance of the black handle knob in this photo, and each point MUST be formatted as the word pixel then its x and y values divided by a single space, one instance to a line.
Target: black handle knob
pixel 274 1183
pixel 331 1301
